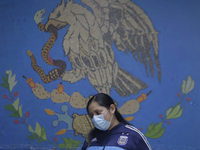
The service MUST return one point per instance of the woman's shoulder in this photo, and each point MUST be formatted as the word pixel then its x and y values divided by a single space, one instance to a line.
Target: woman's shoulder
pixel 128 129
pixel 133 131
pixel 138 136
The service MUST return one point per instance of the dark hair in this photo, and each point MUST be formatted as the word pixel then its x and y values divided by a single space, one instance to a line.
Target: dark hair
pixel 105 101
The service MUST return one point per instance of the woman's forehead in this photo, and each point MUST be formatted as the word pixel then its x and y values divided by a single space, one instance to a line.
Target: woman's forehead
pixel 94 106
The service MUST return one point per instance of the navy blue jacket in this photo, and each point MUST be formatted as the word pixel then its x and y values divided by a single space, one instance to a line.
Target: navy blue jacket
pixel 121 137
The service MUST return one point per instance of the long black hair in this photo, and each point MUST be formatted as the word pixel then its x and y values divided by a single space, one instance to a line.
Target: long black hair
pixel 103 100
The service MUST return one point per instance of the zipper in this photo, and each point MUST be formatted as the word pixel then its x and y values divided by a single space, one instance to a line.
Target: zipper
pixel 106 140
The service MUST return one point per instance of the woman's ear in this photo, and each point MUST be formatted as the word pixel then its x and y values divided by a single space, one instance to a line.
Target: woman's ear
pixel 112 108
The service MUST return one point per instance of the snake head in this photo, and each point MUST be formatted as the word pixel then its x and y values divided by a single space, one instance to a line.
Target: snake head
pixel 38 16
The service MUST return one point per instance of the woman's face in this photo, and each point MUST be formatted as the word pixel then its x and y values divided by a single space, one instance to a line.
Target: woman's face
pixel 95 109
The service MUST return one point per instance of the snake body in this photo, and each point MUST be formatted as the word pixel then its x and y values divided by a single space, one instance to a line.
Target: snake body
pixel 55 73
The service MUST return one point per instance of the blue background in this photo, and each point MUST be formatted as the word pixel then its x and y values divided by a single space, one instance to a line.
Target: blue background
pixel 178 23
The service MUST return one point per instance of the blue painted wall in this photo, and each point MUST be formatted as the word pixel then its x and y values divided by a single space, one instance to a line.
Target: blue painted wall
pixel 179 49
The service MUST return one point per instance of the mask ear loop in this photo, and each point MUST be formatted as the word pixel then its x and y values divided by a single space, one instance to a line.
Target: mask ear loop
pixel 110 120
pixel 106 112
pixel 111 117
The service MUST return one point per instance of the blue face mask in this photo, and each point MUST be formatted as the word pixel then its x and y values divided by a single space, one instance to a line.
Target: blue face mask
pixel 100 122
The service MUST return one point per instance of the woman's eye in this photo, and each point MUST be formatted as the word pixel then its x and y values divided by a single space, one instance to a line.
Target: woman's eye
pixel 98 112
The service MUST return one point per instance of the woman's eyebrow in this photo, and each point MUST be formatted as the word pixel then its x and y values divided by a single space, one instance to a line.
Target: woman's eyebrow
pixel 96 110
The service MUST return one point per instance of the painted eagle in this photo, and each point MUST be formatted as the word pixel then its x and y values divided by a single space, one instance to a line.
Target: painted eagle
pixel 92 31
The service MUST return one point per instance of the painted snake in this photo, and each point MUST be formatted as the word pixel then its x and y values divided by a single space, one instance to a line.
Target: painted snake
pixel 55 73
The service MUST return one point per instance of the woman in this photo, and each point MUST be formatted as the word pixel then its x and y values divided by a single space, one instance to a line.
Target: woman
pixel 112 131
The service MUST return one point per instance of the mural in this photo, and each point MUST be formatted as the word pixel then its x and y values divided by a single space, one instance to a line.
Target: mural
pixel 88 43
pixel 110 46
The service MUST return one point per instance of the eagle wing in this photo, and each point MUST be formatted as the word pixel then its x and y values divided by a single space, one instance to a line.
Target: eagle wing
pixel 129 27
pixel 84 46
pixel 88 44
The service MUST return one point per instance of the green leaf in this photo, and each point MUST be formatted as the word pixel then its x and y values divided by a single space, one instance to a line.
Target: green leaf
pixel 175 112
pixel 20 111
pixel 183 87
pixel 75 143
pixel 150 127
pixel 16 104
pixel 33 136
pixel 38 129
pixel 157 127
pixel 36 135
pixel 10 107
pixel 187 85
pixel 11 80
pixel 67 142
pixel 179 113
pixel 5 85
pixel 5 80
pixel 30 129
pixel 155 130
pixel 61 146
pixel 40 139
pixel 70 144
pixel 161 132
pixel 43 134
pixel 168 111
pixel 15 114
